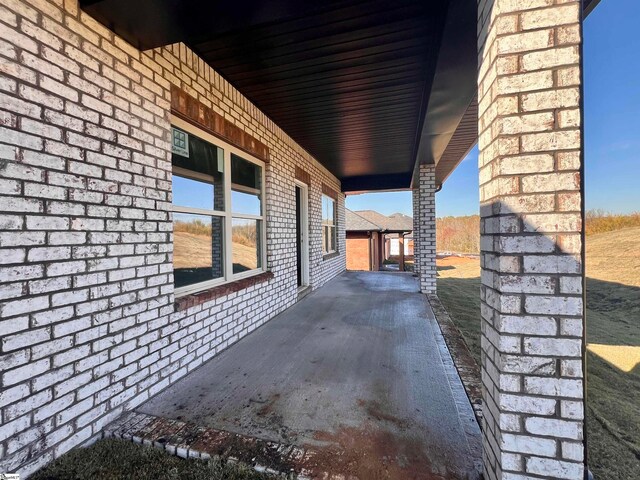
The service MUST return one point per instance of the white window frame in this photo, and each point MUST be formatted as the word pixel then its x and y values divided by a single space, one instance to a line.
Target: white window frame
pixel 228 215
pixel 304 226
pixel 334 225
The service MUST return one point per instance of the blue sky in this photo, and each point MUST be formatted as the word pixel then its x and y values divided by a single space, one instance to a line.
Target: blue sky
pixel 612 125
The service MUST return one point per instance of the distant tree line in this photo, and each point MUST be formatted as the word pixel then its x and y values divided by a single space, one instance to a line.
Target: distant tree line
pixel 243 234
pixel 196 227
pixel 458 234
pixel 599 221
pixel 462 234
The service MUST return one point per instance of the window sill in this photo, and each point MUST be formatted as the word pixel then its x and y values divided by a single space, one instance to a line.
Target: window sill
pixel 303 291
pixel 329 256
pixel 218 291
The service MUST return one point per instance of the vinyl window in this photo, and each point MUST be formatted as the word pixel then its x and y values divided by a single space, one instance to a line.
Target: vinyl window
pixel 329 230
pixel 218 211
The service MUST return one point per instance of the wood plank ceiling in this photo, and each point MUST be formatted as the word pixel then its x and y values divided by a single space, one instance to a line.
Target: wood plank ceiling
pixel 348 82
pixel 371 88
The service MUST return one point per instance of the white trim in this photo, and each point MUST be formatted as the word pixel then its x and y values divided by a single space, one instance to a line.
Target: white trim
pixel 183 172
pixel 198 287
pixel 247 273
pixel 228 215
pixel 243 189
pixel 228 237
pixel 197 211
pixel 247 216
pixel 304 226
pixel 331 224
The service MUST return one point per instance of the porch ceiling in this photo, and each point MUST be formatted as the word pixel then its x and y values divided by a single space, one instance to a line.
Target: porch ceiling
pixel 346 82
pixel 371 88
pixel 352 81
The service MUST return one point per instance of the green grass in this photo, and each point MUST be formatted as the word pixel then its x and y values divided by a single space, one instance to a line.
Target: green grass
pixel 112 459
pixel 613 313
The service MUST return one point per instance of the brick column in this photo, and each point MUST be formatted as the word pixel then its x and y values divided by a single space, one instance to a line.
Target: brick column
pixel 426 251
pixel 531 224
pixel 415 198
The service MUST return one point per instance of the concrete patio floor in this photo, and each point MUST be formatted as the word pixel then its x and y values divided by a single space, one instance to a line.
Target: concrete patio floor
pixel 357 370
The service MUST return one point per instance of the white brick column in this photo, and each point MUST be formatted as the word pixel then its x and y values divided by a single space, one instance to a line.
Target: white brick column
pixel 426 252
pixel 530 139
pixel 415 198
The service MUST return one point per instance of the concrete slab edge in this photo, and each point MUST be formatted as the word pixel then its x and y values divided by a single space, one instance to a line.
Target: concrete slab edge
pixel 468 369
pixel 187 440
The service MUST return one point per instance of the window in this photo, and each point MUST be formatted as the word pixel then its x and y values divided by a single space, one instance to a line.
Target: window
pixel 328 225
pixel 246 225
pixel 218 205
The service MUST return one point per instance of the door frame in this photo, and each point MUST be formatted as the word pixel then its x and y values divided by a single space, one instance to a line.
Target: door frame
pixel 304 227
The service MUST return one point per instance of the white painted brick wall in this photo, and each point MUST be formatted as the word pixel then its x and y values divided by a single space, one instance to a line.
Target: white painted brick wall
pixel 86 302
pixel 531 224
pixel 426 251
pixel 415 198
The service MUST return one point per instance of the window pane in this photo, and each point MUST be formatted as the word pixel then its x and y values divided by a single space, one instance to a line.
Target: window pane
pixel 205 162
pixel 324 208
pixel 328 209
pixel 192 193
pixel 197 248
pixel 332 246
pixel 246 244
pixel 328 242
pixel 246 186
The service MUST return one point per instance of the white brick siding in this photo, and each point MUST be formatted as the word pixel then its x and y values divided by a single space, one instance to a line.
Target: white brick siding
pixel 86 302
pixel 426 213
pixel 531 249
pixel 415 199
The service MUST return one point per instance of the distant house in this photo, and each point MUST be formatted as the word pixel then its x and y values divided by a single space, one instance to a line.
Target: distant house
pixel 363 242
pixel 372 238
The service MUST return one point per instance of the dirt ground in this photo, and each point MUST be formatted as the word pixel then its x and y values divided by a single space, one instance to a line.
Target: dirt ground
pixel 455 261
pixel 613 338
pixel 194 251
pixel 191 250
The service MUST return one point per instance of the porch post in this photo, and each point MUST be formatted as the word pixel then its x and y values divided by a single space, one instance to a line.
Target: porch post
pixel 530 140
pixel 401 252
pixel 426 255
pixel 415 197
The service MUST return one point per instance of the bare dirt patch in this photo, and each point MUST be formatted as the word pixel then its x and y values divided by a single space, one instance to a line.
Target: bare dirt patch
pixel 194 251
pixel 454 260
pixel 367 452
pixel 454 266
pixel 191 250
